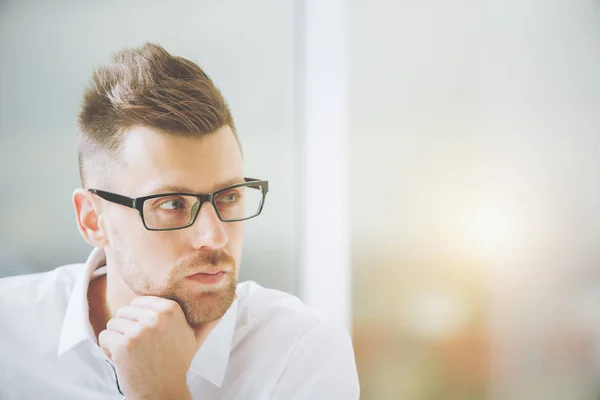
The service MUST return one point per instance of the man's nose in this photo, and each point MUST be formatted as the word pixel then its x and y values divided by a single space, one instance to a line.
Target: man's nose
pixel 208 229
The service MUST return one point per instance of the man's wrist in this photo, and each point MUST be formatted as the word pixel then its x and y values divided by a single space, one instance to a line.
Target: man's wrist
pixel 180 392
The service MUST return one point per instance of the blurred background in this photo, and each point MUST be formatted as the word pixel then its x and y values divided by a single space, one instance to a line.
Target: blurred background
pixel 467 155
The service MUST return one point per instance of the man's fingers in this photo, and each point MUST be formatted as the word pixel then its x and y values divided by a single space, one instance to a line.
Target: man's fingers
pixel 109 340
pixel 157 303
pixel 123 326
pixel 145 315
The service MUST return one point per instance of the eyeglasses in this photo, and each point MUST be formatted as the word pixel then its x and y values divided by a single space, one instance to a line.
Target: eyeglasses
pixel 171 211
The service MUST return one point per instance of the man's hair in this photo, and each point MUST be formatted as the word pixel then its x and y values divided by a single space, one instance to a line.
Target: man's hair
pixel 146 86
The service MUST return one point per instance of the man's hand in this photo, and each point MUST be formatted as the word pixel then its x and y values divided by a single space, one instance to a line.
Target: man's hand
pixel 152 347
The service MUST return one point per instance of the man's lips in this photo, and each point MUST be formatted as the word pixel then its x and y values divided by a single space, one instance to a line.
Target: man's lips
pixel 211 271
pixel 208 277
pixel 207 272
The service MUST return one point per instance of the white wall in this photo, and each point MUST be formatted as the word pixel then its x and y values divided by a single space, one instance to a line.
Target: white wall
pixel 475 185
pixel 542 87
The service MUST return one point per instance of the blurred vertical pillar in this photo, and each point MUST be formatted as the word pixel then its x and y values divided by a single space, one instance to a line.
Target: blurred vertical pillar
pixel 321 110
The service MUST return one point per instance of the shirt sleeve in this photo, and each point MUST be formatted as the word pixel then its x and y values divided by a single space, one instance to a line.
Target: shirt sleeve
pixel 322 366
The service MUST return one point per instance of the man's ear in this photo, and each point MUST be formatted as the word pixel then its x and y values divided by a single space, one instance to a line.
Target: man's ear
pixel 88 219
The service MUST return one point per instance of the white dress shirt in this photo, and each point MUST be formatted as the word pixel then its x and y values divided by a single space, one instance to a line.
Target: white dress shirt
pixel 268 345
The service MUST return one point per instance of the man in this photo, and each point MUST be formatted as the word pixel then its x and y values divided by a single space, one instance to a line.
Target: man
pixel 156 311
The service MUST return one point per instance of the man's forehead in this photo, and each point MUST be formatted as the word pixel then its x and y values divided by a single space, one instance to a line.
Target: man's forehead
pixel 155 162
pixel 144 142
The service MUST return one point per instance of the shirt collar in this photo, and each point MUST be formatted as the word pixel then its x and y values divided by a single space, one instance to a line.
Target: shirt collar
pixel 210 361
pixel 76 326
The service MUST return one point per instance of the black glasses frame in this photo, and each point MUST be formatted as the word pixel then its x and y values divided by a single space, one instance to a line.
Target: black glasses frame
pixel 138 203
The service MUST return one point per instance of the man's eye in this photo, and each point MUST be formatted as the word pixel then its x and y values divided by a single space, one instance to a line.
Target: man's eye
pixel 228 198
pixel 173 204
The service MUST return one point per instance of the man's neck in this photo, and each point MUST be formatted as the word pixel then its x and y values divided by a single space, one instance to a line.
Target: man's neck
pixel 104 299
pixel 98 310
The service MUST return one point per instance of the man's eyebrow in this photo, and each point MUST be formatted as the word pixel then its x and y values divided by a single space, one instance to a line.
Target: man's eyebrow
pixel 183 189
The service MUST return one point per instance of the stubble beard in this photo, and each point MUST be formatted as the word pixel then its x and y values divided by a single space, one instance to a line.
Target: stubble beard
pixel 200 304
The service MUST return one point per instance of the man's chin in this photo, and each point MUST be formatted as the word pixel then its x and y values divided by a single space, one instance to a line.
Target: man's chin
pixel 206 307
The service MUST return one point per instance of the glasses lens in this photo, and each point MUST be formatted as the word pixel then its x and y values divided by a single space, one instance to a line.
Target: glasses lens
pixel 239 203
pixel 169 212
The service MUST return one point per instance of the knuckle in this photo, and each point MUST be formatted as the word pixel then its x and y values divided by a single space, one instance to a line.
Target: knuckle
pixel 131 341
pixel 172 307
pixel 152 319
pixel 122 311
pixel 135 332
pixel 102 337
pixel 122 347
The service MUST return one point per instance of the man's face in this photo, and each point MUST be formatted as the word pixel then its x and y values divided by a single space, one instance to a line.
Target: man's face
pixel 160 263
